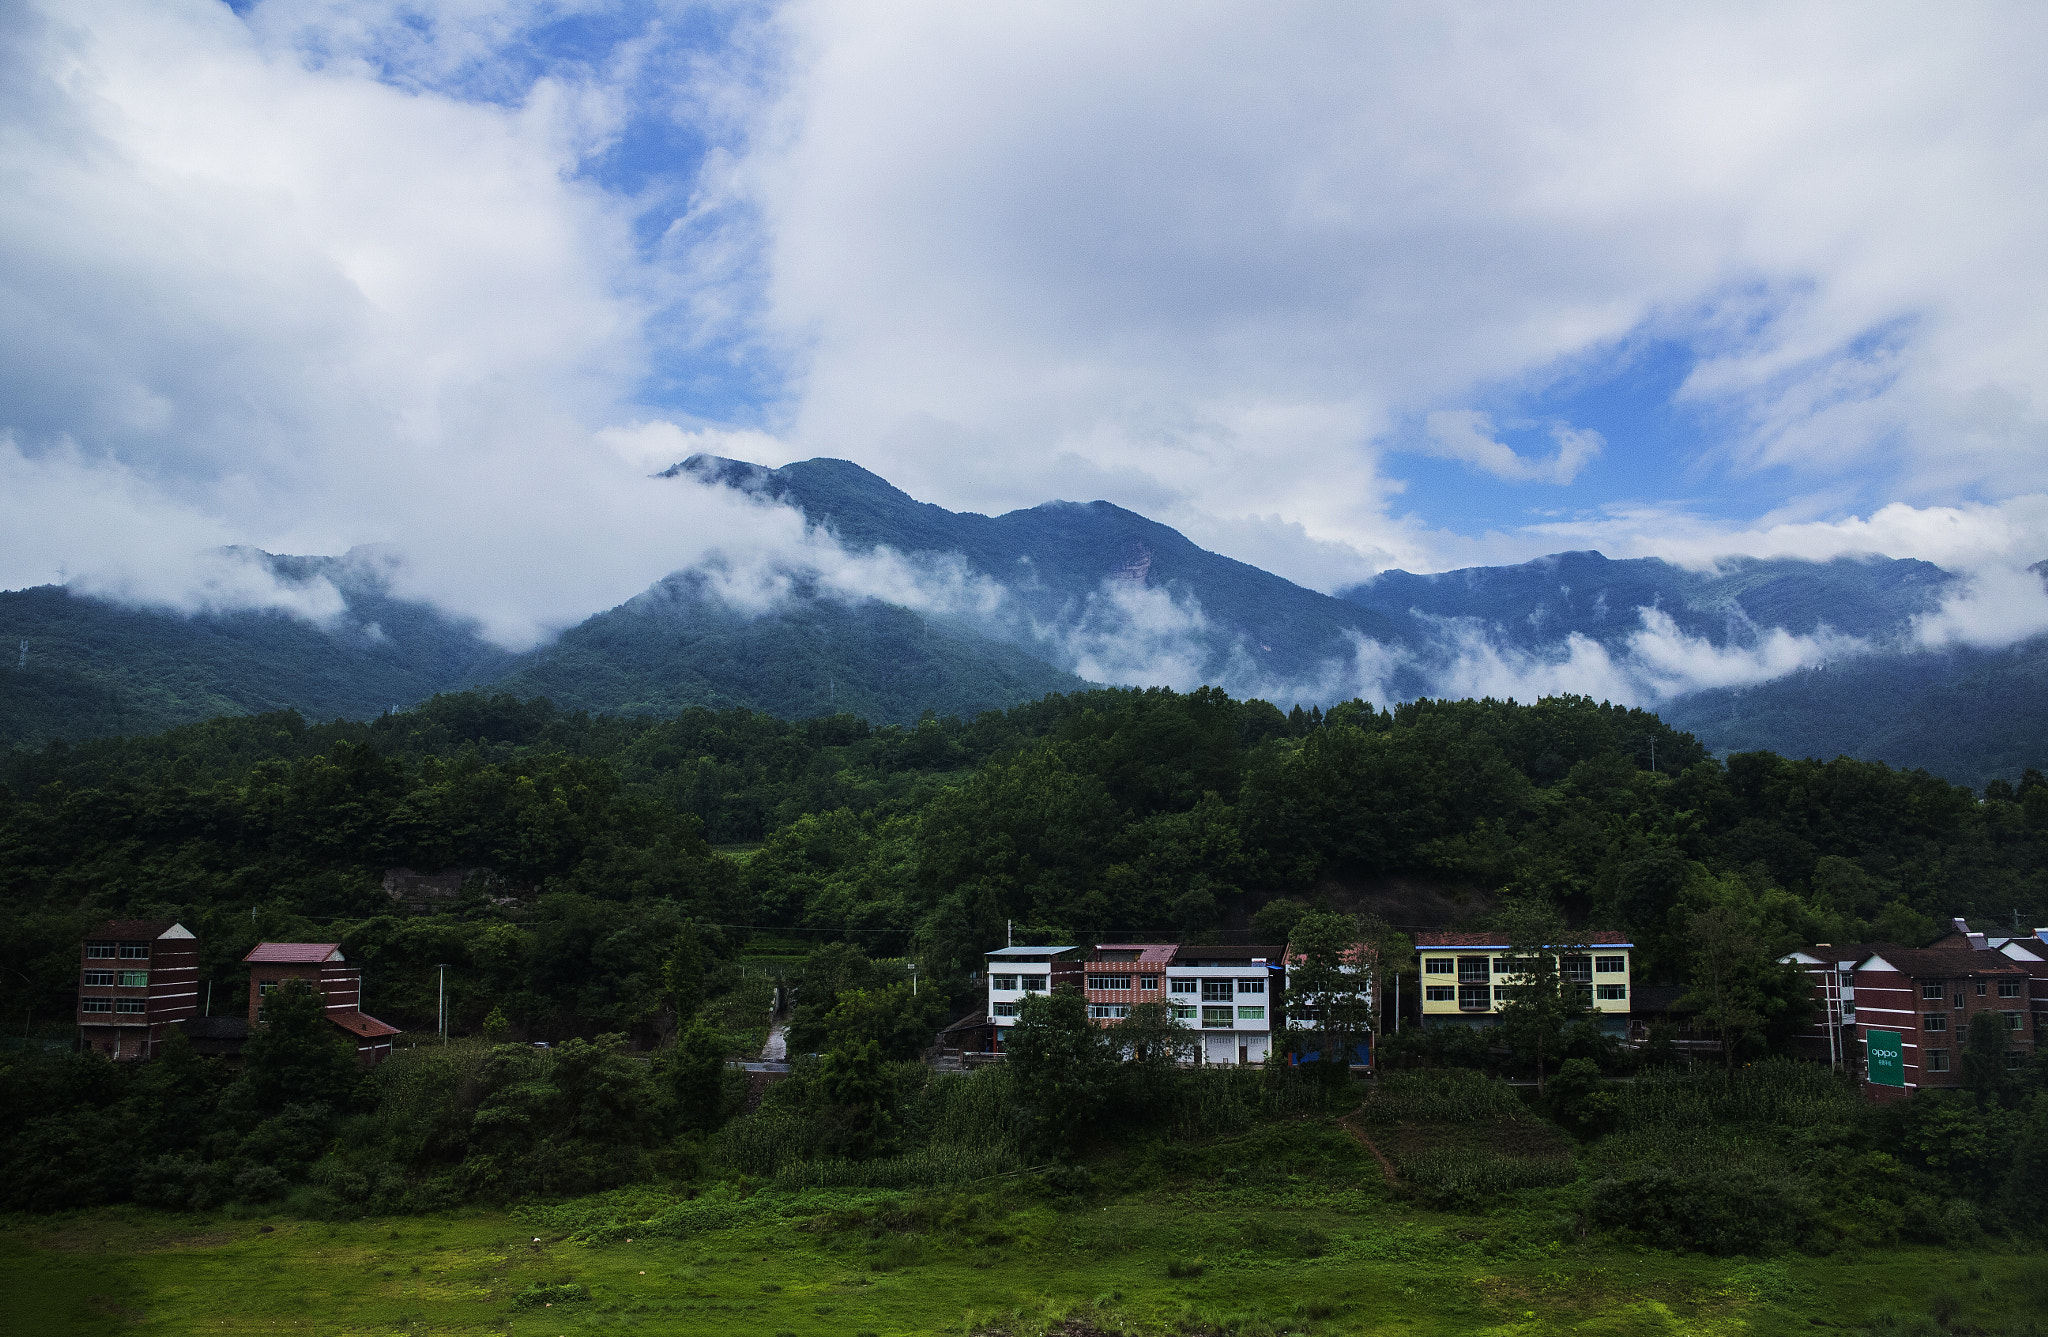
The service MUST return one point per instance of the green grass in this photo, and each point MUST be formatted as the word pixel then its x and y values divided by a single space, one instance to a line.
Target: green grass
pixel 1285 1231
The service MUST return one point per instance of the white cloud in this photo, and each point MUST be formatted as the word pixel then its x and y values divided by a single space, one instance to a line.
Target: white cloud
pixel 1468 436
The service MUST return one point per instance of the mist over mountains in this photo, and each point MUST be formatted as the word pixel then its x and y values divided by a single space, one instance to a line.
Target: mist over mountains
pixel 926 609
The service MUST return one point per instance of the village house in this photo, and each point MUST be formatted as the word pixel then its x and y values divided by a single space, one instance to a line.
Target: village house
pixel 1360 995
pixel 136 977
pixel 1898 1018
pixel 1467 977
pixel 322 966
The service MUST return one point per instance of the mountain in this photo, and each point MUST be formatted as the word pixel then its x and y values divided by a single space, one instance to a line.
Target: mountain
pixel 677 645
pixel 1087 582
pixel 86 667
pixel 1540 603
pixel 1065 593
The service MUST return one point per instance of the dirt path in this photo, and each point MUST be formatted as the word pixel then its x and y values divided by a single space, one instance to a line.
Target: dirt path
pixel 1351 1125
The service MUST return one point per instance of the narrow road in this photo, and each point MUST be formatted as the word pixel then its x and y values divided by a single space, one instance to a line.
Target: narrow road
pixel 774 1054
pixel 1349 1123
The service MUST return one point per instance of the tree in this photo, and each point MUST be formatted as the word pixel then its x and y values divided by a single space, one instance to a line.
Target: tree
pixel 1540 1000
pixel 1329 987
pixel 1984 1070
pixel 682 974
pixel 696 1075
pixel 899 1023
pixel 1722 996
pixel 1062 1065
pixel 1155 1048
pixel 851 1078
pixel 297 1057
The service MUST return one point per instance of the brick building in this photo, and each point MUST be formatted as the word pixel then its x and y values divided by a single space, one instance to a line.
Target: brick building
pixel 1898 1018
pixel 136 976
pixel 1119 976
pixel 322 966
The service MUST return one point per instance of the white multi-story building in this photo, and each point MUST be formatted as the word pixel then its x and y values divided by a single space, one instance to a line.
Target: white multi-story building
pixel 1231 995
pixel 1017 972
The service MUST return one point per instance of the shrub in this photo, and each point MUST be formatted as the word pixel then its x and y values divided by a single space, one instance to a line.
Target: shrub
pixel 1183 1268
pixel 540 1295
pixel 1728 1209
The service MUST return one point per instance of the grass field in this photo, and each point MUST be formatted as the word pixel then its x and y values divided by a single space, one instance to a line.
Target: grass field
pixel 1236 1242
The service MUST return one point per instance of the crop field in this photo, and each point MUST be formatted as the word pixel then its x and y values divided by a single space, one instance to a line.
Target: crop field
pixel 1292 1230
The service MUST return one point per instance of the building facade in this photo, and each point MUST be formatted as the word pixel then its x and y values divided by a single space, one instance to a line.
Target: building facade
pixel 1468 977
pixel 135 978
pixel 1898 1019
pixel 1229 996
pixel 322 966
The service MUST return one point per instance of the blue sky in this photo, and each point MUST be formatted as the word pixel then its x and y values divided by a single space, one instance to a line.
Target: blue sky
pixel 1347 288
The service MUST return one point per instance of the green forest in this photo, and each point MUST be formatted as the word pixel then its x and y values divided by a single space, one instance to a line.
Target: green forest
pixel 638 889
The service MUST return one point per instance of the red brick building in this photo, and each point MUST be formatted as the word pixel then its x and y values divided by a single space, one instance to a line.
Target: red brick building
pixel 1119 976
pixel 135 977
pixel 1927 996
pixel 321 965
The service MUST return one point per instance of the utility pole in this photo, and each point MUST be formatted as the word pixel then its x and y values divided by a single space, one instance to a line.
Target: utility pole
pixel 1009 936
pixel 442 1002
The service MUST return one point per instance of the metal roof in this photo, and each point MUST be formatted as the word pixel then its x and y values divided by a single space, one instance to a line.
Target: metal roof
pixel 295 953
pixel 1492 942
pixel 1030 951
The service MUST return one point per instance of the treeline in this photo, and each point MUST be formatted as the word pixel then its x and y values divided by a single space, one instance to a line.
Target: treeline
pixel 598 840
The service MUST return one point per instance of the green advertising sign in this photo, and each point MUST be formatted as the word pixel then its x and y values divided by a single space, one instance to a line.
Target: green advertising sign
pixel 1887 1054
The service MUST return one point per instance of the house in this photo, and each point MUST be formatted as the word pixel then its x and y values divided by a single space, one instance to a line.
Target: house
pixel 1231 995
pixel 1898 1018
pixel 1359 998
pixel 1466 977
pixel 322 966
pixel 1014 973
pixel 136 977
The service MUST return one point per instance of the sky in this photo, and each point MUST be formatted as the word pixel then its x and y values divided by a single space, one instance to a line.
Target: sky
pixel 1331 288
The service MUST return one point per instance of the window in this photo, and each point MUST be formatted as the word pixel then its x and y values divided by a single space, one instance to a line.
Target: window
pixel 1503 965
pixel 1217 1016
pixel 1473 997
pixel 1937 1060
pixel 1002 981
pixel 135 951
pixel 1251 986
pixel 1980 988
pixel 1438 965
pixel 131 1006
pixel 1183 1013
pixel 1215 990
pixel 1006 1009
pixel 1577 969
pixel 1251 1014
pixel 1149 982
pixel 1182 986
pixel 1109 981
pixel 1030 982
pixel 95 1005
pixel 1503 992
pixel 263 988
pixel 99 951
pixel 1933 990
pixel 2015 1021
pixel 1108 1011
pixel 1610 965
pixel 135 979
pixel 1472 970
pixel 1959 995
pixel 1439 993
pixel 104 978
pixel 1610 991
pixel 2008 988
pixel 1934 1021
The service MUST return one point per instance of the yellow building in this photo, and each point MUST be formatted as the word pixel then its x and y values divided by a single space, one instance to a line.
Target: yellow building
pixel 1467 976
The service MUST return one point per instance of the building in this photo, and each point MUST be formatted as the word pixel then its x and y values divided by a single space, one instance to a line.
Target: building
pixel 1898 1018
pixel 136 977
pixel 1232 995
pixel 1466 977
pixel 1229 995
pixel 1014 973
pixel 322 966
pixel 1119 976
pixel 1361 969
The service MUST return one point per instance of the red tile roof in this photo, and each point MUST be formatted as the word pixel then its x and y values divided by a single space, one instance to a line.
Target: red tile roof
pixel 362 1024
pixel 1942 962
pixel 295 953
pixel 1604 938
pixel 1149 953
